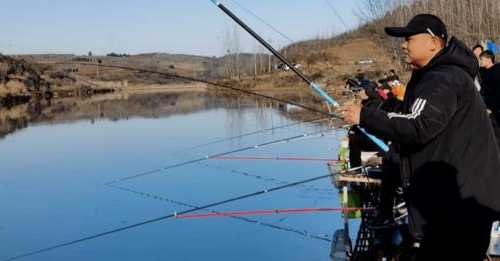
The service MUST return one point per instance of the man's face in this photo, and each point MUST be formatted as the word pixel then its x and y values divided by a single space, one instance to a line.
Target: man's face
pixel 419 49
pixel 477 51
pixel 485 62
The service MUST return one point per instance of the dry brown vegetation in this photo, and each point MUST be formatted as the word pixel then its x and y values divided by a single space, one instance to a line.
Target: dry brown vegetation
pixel 334 59
pixel 471 21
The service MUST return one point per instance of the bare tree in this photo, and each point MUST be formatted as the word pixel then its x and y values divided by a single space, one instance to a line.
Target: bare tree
pixel 469 20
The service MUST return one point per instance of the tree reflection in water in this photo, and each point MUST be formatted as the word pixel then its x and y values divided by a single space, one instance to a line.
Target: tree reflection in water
pixel 122 106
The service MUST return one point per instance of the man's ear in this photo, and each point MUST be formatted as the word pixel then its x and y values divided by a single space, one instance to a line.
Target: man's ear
pixel 436 44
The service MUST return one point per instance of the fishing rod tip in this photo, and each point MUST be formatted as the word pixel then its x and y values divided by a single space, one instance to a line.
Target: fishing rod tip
pixel 217 3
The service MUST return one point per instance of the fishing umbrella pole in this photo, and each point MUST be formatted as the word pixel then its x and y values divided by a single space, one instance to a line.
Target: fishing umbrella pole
pixel 316 87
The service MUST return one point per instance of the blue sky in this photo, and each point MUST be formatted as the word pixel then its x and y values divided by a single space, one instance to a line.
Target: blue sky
pixel 128 26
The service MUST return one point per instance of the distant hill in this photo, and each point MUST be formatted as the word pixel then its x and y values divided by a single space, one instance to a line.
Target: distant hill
pixel 188 65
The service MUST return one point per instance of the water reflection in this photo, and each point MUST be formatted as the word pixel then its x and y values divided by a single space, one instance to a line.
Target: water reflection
pixel 53 179
pixel 122 106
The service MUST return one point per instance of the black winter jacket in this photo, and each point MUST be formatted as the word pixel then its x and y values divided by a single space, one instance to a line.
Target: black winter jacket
pixel 450 162
pixel 491 88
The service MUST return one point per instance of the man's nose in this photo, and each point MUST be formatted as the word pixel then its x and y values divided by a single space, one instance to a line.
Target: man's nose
pixel 404 45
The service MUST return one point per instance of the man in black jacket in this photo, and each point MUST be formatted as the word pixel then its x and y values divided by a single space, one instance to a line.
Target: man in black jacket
pixel 490 76
pixel 450 164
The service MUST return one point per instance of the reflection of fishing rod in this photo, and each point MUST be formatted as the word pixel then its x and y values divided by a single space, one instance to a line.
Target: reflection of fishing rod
pixel 269 212
pixel 169 216
pixel 328 99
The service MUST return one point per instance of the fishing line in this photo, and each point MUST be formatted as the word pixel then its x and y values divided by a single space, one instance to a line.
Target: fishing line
pixel 334 10
pixel 154 220
pixel 262 20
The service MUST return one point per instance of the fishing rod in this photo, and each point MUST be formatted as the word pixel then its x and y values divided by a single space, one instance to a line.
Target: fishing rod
pixel 268 212
pixel 271 158
pixel 193 79
pixel 301 232
pixel 377 141
pixel 189 162
pixel 173 215
pixel 257 132
pixel 216 85
pixel 316 87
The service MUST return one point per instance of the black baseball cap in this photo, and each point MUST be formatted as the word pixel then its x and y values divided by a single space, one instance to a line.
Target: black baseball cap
pixel 422 23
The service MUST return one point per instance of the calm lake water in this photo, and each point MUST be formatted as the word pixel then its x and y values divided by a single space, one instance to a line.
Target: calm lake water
pixel 54 172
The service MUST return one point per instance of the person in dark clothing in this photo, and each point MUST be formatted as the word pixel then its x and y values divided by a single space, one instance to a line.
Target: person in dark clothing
pixel 491 81
pixel 358 141
pixel 449 160
pixel 477 50
pixel 490 90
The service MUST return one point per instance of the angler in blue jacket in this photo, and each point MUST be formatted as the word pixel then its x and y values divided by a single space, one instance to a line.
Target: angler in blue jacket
pixel 450 163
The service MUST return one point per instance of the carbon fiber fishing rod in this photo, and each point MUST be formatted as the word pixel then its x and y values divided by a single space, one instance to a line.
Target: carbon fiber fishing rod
pixel 377 141
pixel 256 132
pixel 173 215
pixel 193 79
pixel 316 87
pixel 278 158
pixel 208 157
pixel 171 75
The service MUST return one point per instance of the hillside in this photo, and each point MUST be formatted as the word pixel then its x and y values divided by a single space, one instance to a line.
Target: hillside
pixel 329 63
pixel 368 50
pixel 188 65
